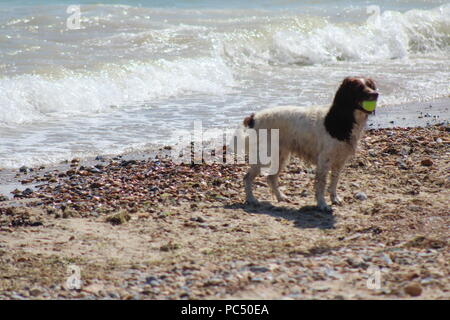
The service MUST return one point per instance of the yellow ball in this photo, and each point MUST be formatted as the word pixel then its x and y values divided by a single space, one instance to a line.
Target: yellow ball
pixel 369 105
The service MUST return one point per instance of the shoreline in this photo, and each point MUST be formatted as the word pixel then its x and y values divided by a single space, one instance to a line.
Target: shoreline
pixel 412 114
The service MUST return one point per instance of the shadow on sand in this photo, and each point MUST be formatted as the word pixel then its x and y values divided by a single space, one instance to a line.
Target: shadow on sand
pixel 305 217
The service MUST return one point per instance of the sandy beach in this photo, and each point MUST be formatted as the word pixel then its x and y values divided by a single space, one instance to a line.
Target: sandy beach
pixel 95 97
pixel 144 228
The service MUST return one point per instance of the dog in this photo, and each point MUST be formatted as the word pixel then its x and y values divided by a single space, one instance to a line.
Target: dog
pixel 322 136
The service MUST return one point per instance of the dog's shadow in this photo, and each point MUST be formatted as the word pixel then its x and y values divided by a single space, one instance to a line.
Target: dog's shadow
pixel 305 217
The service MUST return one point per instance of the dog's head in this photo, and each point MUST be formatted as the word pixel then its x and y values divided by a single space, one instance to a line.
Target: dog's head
pixel 354 90
pixel 347 108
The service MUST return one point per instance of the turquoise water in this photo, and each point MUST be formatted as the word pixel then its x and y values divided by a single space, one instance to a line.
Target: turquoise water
pixel 135 71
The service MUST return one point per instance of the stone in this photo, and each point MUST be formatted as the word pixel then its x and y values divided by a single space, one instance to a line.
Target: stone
pixel 27 192
pixel 360 196
pixel 35 292
pixel 413 289
pixel 94 170
pixel 259 269
pixel 153 281
pixel 386 259
pixel 426 162
pixel 214 282
pixel 357 262
pixel 23 169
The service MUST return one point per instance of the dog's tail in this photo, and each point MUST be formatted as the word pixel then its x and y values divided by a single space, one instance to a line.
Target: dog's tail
pixel 249 121
pixel 238 144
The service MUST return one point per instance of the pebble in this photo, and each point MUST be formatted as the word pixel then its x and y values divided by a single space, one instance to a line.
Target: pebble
pixel 413 289
pixel 357 262
pixel 23 169
pixel 402 165
pixel 27 192
pixel 332 274
pixel 427 280
pixel 360 196
pixel 259 269
pixel 126 163
pixel 426 162
pixel 214 281
pixel 113 295
pixel 198 219
pixel 35 292
pixel 386 258
pixel 94 170
pixel 154 282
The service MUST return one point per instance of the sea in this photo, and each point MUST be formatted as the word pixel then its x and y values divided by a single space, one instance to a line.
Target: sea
pixel 84 78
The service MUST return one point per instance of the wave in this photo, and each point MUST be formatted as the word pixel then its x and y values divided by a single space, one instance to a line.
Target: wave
pixel 201 52
pixel 27 98
pixel 307 40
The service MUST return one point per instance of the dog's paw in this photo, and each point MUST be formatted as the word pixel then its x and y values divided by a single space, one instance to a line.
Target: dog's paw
pixel 252 201
pixel 325 209
pixel 282 197
pixel 336 200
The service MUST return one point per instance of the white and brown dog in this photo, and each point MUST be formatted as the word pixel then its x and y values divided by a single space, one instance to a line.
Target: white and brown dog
pixel 323 136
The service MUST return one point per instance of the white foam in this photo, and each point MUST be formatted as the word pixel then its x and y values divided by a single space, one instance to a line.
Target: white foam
pixel 391 35
pixel 28 98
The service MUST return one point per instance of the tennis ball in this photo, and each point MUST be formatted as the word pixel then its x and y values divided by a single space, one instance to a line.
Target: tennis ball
pixel 369 105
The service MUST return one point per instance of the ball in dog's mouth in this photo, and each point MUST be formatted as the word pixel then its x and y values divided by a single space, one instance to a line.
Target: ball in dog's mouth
pixel 369 105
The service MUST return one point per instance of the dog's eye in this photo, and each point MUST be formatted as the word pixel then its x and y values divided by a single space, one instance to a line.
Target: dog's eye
pixel 358 86
pixel 371 84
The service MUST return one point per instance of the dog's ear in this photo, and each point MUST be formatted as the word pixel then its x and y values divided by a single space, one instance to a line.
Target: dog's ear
pixel 350 84
pixel 348 87
pixel 371 84
pixel 349 81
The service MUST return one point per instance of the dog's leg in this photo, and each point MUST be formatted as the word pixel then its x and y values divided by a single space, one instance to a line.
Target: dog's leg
pixel 254 171
pixel 272 180
pixel 323 166
pixel 335 172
